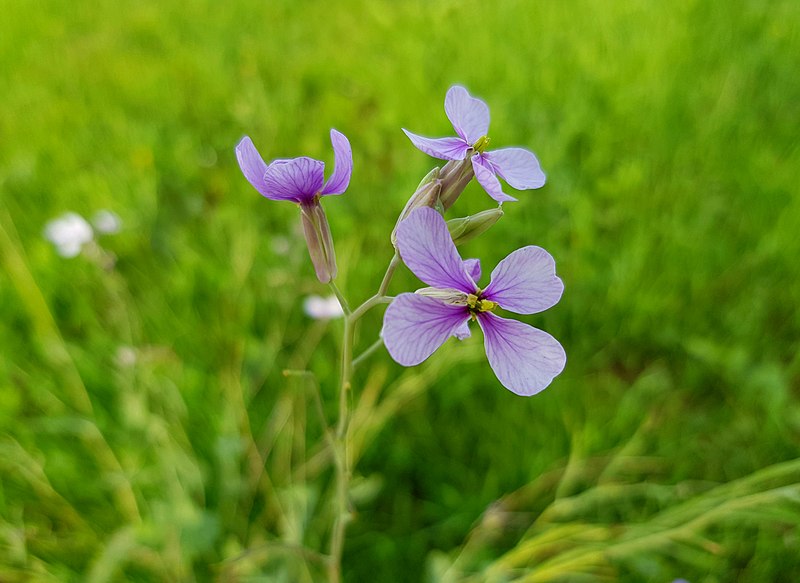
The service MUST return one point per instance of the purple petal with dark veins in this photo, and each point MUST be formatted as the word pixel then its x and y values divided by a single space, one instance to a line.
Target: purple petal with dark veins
pixel 525 359
pixel 484 174
pixel 473 267
pixel 253 166
pixel 427 249
pixel 518 167
pixel 343 165
pixel 442 148
pixel 525 282
pixel 469 115
pixel 297 179
pixel 415 326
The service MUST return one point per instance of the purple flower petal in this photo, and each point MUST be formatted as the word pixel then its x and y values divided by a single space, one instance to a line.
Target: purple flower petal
pixel 252 165
pixel 484 174
pixel 473 267
pixel 469 116
pixel 442 148
pixel 343 165
pixel 518 167
pixel 524 358
pixel 427 249
pixel 298 179
pixel 415 326
pixel 462 333
pixel 525 282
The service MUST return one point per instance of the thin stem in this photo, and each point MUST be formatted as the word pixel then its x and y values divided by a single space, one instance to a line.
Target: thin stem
pixel 340 297
pixel 387 278
pixel 368 305
pixel 380 297
pixel 340 441
pixel 368 352
pixel 340 454
pixel 347 371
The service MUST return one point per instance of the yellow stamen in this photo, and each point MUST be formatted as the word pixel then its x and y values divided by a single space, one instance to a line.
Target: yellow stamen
pixel 478 305
pixel 481 145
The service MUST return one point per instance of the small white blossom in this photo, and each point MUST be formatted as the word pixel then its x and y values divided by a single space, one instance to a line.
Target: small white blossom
pixel 107 222
pixel 69 233
pixel 321 308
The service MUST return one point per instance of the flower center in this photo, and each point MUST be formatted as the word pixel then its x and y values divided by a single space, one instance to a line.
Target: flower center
pixel 476 304
pixel 481 145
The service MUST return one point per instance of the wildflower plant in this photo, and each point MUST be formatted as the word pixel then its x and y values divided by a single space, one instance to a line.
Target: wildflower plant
pixel 416 323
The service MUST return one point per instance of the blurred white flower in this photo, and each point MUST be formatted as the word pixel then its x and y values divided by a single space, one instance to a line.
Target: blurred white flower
pixel 321 308
pixel 69 233
pixel 106 222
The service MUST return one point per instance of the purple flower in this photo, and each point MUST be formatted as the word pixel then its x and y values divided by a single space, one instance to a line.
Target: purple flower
pixel 524 359
pixel 302 180
pixel 297 179
pixel 470 119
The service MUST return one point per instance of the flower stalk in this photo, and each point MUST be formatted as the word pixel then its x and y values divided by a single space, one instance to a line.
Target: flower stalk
pixel 524 359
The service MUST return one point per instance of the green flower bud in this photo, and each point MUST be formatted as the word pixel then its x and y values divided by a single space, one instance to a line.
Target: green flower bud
pixel 427 194
pixel 465 229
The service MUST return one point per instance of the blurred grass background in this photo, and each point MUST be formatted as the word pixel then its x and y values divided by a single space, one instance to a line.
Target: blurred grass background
pixel 147 431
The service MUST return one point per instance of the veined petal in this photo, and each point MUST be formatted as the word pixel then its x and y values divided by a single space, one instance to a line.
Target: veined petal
pixel 525 282
pixel 473 267
pixel 525 359
pixel 462 333
pixel 415 326
pixel 252 165
pixel 343 165
pixel 297 179
pixel 427 249
pixel 518 167
pixel 484 174
pixel 442 148
pixel 469 115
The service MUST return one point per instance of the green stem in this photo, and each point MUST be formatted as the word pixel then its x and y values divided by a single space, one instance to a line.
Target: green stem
pixel 387 278
pixel 340 455
pixel 340 297
pixel 368 352
pixel 380 297
pixel 340 438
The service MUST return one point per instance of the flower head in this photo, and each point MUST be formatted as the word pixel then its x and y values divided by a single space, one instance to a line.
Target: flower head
pixel 302 180
pixel 69 233
pixel 470 119
pixel 524 358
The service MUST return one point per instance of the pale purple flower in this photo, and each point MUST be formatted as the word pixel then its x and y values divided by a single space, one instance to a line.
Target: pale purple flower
pixel 524 358
pixel 470 119
pixel 302 180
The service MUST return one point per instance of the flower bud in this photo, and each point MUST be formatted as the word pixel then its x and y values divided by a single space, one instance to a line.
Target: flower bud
pixel 465 229
pixel 427 194
pixel 319 240
pixel 455 176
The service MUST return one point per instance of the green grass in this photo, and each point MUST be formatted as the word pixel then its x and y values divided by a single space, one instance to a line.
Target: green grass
pixel 669 446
